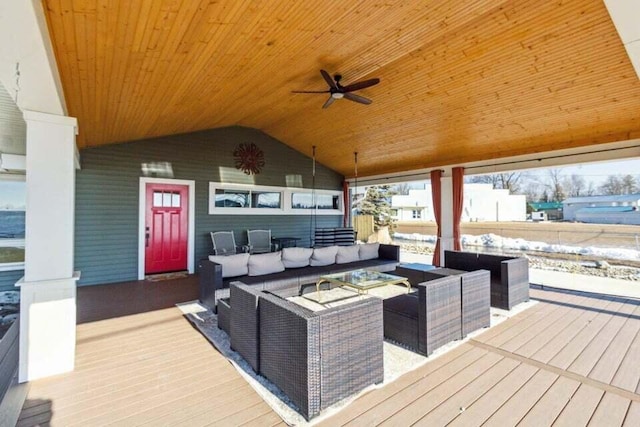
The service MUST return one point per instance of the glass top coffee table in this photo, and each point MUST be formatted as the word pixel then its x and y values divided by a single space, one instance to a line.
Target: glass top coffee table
pixel 362 280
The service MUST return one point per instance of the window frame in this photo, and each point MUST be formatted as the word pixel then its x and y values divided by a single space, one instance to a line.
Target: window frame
pixel 20 243
pixel 286 194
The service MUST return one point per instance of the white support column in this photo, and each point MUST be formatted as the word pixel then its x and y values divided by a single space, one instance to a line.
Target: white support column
pixel 446 214
pixel 48 288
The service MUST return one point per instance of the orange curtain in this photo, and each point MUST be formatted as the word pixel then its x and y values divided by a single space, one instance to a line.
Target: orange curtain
pixel 458 200
pixel 436 193
pixel 347 204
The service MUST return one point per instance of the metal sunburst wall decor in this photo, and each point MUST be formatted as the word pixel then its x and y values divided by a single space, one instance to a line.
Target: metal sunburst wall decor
pixel 249 158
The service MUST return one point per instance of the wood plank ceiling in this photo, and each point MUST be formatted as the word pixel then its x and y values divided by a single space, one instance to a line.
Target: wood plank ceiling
pixel 460 80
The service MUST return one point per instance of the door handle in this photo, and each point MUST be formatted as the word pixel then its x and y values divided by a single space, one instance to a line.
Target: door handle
pixel 146 236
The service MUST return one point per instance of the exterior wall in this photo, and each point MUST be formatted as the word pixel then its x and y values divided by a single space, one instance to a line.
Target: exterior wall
pixel 627 218
pixel 8 279
pixel 572 205
pixel 107 194
pixel 481 203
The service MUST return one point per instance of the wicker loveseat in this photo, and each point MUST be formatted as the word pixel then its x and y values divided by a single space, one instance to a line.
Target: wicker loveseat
pixel 509 275
pixel 213 286
pixel 315 358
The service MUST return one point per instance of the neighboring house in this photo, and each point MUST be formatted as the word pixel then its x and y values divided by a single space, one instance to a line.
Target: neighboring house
pixel 552 209
pixel 618 209
pixel 481 203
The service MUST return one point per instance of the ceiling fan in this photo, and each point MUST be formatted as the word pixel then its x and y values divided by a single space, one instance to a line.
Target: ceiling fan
pixel 337 91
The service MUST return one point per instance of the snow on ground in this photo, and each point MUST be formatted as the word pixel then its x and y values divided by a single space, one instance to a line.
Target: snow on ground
pixel 495 241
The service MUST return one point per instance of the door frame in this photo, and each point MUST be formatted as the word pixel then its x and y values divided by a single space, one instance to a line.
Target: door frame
pixel 142 207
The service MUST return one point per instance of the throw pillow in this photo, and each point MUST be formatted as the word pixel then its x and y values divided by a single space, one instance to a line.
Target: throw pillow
pixel 324 256
pixel 369 251
pixel 232 265
pixel 296 257
pixel 265 263
pixel 347 254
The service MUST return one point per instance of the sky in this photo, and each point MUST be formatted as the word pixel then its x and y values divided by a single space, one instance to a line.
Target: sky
pixel 12 194
pixel 598 172
pixel 595 172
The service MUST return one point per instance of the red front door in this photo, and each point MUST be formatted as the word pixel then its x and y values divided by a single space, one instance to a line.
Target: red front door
pixel 166 228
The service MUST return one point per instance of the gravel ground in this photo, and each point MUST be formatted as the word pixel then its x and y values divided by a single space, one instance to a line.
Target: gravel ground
pixel 588 268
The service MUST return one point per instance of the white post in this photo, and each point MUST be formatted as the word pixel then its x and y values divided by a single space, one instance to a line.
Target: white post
pixel 48 288
pixel 446 214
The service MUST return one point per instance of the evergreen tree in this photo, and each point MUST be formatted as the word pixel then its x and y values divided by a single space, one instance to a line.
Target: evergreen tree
pixel 377 203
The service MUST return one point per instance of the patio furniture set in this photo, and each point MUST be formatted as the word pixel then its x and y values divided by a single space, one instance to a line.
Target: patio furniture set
pixel 320 356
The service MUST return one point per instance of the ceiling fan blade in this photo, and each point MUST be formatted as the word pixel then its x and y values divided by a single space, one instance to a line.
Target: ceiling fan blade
pixel 357 98
pixel 332 84
pixel 329 102
pixel 361 85
pixel 309 91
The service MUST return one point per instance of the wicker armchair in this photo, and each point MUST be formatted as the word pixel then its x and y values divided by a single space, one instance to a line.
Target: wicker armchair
pixel 319 358
pixel 427 320
pixel 509 275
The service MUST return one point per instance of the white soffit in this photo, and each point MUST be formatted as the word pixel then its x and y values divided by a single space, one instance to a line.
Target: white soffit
pixel 24 39
pixel 626 18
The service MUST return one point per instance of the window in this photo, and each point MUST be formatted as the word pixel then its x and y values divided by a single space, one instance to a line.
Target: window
pixel 302 200
pixel 166 199
pixel 227 199
pixel 416 214
pixel 12 224
pixel 232 199
pixel 328 201
pixel 264 199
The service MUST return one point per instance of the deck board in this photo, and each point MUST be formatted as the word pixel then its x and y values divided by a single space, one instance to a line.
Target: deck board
pixel 579 410
pixel 545 346
pixel 611 411
pixel 477 413
pixel 561 329
pixel 523 400
pixel 547 409
pixel 466 397
pixel 610 360
pixel 425 403
pixel 569 360
pixel 633 415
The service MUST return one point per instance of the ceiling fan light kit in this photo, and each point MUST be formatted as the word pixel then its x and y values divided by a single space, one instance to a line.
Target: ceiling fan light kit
pixel 337 91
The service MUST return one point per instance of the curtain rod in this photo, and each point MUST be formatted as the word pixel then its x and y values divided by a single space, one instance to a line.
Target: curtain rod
pixel 559 156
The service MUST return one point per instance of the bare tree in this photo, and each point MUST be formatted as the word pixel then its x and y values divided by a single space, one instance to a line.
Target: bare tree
pixel 534 191
pixel 508 181
pixel 402 188
pixel 629 184
pixel 574 186
pixel 611 186
pixel 555 185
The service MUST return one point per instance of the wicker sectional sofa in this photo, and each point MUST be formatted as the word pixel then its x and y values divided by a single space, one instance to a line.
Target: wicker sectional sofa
pixel 213 286
pixel 315 358
pixel 509 275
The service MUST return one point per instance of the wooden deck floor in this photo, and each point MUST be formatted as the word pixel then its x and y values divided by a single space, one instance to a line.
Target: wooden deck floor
pixel 572 359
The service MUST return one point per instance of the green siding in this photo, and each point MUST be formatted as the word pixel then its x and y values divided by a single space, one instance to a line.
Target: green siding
pixel 9 278
pixel 107 186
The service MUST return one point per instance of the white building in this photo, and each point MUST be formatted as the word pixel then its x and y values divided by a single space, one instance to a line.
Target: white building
pixel 481 203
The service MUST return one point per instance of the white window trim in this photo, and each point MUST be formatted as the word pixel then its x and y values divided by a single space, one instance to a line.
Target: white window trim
pixel 285 208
